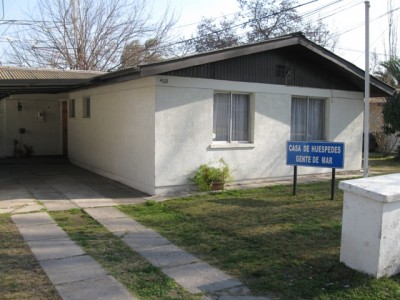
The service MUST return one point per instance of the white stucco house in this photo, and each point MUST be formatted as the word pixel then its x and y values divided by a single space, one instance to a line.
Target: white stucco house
pixel 151 126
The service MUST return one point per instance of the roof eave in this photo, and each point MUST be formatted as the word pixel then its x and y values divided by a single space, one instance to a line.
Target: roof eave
pixel 349 67
pixel 204 58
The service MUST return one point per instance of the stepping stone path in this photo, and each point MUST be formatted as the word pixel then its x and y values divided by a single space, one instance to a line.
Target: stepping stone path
pixel 75 275
pixel 190 272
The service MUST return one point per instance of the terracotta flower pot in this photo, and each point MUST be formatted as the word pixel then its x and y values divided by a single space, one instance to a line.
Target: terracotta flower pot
pixel 215 186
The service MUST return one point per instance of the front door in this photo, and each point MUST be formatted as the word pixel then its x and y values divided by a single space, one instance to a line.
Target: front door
pixel 65 127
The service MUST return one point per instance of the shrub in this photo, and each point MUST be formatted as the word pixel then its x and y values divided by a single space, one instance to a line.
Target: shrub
pixel 207 175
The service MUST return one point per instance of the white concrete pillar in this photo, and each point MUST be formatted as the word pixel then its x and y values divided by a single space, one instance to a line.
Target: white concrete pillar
pixel 371 225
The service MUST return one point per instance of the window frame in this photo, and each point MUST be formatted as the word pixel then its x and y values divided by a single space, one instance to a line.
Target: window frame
pixel 86 112
pixel 230 142
pixel 72 108
pixel 324 116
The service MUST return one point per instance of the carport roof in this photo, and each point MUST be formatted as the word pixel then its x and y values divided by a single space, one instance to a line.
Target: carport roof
pixel 17 80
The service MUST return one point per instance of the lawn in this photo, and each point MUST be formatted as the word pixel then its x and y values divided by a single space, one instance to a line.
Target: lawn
pixel 139 276
pixel 279 245
pixel 21 276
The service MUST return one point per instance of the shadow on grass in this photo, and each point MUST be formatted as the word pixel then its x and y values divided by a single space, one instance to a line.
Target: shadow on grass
pixel 270 240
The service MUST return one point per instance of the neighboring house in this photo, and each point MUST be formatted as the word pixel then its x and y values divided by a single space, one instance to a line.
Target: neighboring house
pixel 151 127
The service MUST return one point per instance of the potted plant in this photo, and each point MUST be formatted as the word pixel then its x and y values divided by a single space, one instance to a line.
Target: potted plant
pixel 212 177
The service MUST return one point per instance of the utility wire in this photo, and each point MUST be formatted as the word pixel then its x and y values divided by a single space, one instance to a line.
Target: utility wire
pixel 308 14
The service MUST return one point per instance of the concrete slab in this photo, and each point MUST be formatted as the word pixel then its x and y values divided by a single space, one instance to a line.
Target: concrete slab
pixel 40 188
pixel 16 194
pixel 14 203
pixel 6 210
pixel 72 269
pixel 119 227
pixel 102 288
pixel 201 277
pixel 237 292
pixel 93 202
pixel 58 205
pixel 49 195
pixel 29 209
pixel 122 201
pixel 41 232
pixel 168 256
pixel 140 241
pixel 105 213
pixel 33 219
pixel 55 249
pixel 69 186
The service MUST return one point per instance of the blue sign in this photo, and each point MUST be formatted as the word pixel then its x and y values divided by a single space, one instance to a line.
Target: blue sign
pixel 315 154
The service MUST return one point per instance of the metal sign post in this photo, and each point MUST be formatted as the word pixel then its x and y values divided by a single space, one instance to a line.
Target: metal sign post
pixel 294 180
pixel 315 154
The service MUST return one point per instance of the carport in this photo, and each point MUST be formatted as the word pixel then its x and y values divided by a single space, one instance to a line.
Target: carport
pixel 35 100
pixel 34 108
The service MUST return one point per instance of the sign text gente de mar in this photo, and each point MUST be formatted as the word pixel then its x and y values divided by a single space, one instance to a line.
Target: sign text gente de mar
pixel 315 154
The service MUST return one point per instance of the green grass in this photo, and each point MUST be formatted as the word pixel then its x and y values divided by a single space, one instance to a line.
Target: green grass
pixel 277 244
pixel 21 276
pixel 379 163
pixel 128 267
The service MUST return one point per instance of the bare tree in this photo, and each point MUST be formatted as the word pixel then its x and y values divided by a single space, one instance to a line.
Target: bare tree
pixel 260 20
pixel 135 53
pixel 86 34
pixel 320 34
pixel 269 18
pixel 211 35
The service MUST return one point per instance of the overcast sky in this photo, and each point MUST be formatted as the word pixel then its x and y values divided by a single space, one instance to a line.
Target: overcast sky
pixel 343 16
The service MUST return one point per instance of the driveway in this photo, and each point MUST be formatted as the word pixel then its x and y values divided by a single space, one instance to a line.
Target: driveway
pixel 32 184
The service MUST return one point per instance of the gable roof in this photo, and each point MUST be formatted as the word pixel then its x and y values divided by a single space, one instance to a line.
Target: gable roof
pixel 14 80
pixel 296 42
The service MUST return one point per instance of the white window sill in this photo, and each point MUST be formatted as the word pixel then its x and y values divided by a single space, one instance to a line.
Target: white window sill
pixel 231 145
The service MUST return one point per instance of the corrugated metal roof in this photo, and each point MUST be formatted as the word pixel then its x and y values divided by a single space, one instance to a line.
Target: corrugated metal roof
pixel 13 73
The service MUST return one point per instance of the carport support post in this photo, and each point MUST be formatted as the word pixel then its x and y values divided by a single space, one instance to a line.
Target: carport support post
pixel 333 184
pixel 294 180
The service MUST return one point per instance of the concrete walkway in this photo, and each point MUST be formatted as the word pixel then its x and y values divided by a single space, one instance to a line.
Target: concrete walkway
pixel 75 275
pixel 191 273
pixel 26 189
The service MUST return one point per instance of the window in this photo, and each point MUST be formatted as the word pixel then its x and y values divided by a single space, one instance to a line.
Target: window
pixel 86 107
pixel 231 117
pixel 308 119
pixel 72 108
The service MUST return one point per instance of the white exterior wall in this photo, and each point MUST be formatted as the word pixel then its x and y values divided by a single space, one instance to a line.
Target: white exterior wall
pixel 117 141
pixel 43 135
pixel 184 126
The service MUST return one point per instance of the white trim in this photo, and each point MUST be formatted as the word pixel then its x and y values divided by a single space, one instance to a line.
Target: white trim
pixel 232 145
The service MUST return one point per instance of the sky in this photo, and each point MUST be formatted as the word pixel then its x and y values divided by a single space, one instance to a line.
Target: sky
pixel 345 17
